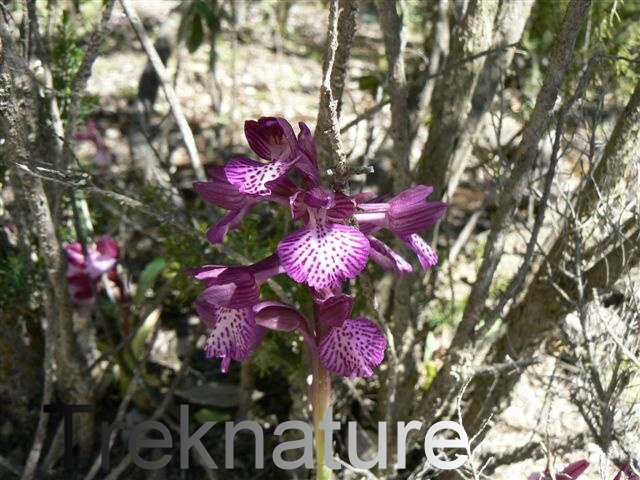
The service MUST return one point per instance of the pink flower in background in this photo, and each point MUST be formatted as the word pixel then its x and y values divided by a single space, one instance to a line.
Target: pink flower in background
pixel 626 473
pixel 82 271
pixel 326 249
pixel 91 134
pixel 570 472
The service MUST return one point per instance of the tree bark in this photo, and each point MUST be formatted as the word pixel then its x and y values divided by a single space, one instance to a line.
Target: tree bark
pixel 452 95
pixel 542 302
pixel 347 19
pixel 510 24
pixel 20 117
pixel 460 357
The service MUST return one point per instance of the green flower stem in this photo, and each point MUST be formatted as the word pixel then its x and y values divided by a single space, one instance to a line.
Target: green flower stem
pixel 320 401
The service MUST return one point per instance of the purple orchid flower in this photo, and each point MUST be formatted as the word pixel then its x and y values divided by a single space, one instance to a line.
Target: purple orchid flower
pixel 570 472
pixel 273 140
pixel 326 250
pixel 347 347
pixel 405 215
pixel 243 182
pixel 625 473
pixel 82 271
pixel 91 134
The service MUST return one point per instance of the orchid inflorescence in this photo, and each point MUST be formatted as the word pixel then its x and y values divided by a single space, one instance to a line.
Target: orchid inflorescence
pixel 85 270
pixel 327 250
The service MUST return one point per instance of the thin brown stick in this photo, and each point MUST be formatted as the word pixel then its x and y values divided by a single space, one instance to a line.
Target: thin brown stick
pixel 172 97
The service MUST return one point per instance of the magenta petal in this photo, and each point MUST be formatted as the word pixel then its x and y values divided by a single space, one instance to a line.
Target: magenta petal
pixel 335 310
pixel 353 349
pixel 307 144
pixel 271 138
pixel 99 264
pixel 253 177
pixel 233 288
pixel 308 164
pixel 108 247
pixel 344 207
pixel 427 255
pixel 230 221
pixel 387 258
pixel 234 333
pixel 206 271
pixel 573 470
pixel 221 194
pixel 323 254
pixel 278 316
pixel 104 257
pixel 417 219
pixel 75 256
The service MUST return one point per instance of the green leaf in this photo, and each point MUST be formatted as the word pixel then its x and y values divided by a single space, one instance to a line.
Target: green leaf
pixel 148 278
pixel 211 415
pixel 196 36
pixel 369 83
pixel 205 8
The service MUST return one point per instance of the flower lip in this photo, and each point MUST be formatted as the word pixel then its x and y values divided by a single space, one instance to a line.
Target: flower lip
pixel 323 253
pixel 234 332
pixel 353 349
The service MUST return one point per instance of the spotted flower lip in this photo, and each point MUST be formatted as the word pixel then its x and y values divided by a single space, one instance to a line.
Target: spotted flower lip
pixel 324 252
pixel 350 347
pixel 347 347
pixel 234 332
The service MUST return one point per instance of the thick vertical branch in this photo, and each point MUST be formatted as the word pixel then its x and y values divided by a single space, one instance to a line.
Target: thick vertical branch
pixel 20 107
pixel 392 32
pixel 345 18
pixel 459 361
pixel 452 95
pixel 510 24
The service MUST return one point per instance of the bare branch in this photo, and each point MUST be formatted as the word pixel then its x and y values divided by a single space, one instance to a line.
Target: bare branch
pixel 172 98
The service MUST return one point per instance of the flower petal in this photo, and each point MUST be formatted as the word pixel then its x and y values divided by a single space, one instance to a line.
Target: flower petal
pixel 387 258
pixel 574 470
pixel 230 221
pixel 234 333
pixel 253 177
pixel 308 164
pixel 344 207
pixel 353 349
pixel 235 287
pixel 334 311
pixel 271 138
pixel 221 193
pixel 415 219
pixel 427 255
pixel 323 254
pixel 75 256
